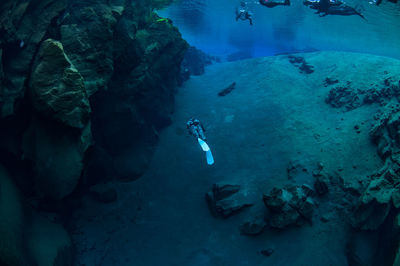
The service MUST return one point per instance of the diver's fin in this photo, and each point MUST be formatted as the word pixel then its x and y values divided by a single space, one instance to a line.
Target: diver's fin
pixel 203 144
pixel 210 158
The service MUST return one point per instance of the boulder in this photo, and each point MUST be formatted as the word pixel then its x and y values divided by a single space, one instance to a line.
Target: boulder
pixel 26 237
pixel 57 154
pixel 12 219
pixel 225 200
pixel 59 133
pixel 23 26
pixel 49 243
pixel 254 225
pixel 57 88
pixel 289 205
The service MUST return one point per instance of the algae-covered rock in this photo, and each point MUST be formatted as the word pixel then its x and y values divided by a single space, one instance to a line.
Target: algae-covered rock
pixel 26 237
pixel 87 36
pixel 23 25
pixel 57 87
pixel 57 139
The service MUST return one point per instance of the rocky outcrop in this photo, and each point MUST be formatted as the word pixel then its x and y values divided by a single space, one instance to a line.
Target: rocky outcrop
pixel 23 25
pixel 130 61
pixel 75 73
pixel 86 31
pixel 59 133
pixel 57 87
pixel 196 60
pixel 382 192
pixel 116 56
pixel 301 64
pixel 346 97
pixel 343 97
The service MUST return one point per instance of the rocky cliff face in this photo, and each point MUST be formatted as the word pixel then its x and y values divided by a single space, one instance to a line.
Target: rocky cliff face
pixel 85 86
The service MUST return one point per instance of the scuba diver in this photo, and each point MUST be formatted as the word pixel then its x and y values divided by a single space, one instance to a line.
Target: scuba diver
pixel 243 13
pixel 331 7
pixel 378 2
pixel 274 3
pixel 196 129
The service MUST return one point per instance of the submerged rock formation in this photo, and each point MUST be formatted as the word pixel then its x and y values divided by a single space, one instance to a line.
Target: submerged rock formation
pixel 57 87
pixel 289 205
pixel 382 192
pixel 225 200
pixel 27 238
pixel 23 25
pixel 84 86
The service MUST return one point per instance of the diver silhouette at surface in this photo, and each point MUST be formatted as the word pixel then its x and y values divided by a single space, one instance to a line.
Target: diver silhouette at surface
pixel 274 3
pixel 196 129
pixel 378 2
pixel 329 7
pixel 243 13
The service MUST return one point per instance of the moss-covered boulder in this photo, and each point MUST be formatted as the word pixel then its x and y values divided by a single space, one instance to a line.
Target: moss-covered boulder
pixel 23 25
pixel 57 88
pixel 26 237
pixel 59 132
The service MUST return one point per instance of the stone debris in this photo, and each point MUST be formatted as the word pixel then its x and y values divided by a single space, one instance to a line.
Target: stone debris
pixel 225 200
pixel 289 205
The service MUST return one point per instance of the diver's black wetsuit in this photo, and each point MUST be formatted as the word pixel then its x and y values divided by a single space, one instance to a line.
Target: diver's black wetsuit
pixel 325 7
pixel 243 15
pixel 273 3
pixel 378 2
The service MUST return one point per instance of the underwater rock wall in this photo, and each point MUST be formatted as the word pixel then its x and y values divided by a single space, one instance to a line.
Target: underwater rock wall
pixel 85 86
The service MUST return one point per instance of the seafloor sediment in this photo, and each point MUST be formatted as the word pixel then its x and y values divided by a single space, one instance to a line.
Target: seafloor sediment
pixel 324 121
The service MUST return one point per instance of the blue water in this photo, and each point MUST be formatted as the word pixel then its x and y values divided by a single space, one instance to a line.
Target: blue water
pixel 210 25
